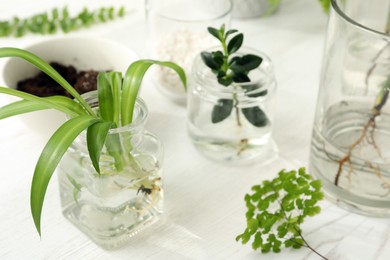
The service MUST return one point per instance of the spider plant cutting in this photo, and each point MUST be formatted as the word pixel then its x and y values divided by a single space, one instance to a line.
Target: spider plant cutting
pixel 109 148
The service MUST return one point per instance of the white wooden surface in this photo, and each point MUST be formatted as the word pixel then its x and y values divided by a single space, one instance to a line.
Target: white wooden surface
pixel 204 200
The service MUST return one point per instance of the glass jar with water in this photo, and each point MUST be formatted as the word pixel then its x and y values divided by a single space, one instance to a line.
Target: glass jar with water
pixel 233 123
pixel 350 149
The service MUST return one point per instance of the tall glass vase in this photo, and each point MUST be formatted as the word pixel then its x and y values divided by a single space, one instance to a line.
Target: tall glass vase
pixel 350 149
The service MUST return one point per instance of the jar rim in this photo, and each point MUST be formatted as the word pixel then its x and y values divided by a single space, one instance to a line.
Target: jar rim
pixel 341 13
pixel 215 18
pixel 92 99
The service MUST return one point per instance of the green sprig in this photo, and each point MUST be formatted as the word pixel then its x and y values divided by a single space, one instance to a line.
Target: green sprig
pixel 276 209
pixel 230 68
pixel 58 20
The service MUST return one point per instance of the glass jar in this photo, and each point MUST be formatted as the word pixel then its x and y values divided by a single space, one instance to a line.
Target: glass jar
pixel 177 31
pixel 127 195
pixel 232 123
pixel 350 150
pixel 254 8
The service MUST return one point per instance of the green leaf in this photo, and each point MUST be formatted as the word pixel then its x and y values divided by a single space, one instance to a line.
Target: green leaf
pixel 96 137
pixel 250 61
pixel 49 159
pixel 231 31
pixel 238 69
pixel 252 224
pixel 209 61
pixel 46 68
pixel 316 184
pixel 214 32
pixel 255 116
pixel 63 104
pixel 258 241
pixel 240 77
pixel 218 58
pixel 132 83
pixel 225 81
pixel 115 79
pixel 235 43
pixel 20 107
pixel 76 187
pixel 221 110
pixel 105 96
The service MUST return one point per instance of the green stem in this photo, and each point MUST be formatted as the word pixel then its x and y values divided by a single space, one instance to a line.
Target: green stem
pixel 236 108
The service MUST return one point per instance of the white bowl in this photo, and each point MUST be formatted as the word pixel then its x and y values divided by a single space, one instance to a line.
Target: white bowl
pixel 84 53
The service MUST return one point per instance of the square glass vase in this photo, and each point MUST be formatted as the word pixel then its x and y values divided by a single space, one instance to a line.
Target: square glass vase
pixel 127 195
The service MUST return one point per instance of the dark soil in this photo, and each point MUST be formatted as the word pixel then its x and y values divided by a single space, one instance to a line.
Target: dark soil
pixel 43 86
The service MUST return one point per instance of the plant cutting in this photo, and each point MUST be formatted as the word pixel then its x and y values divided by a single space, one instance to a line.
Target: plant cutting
pixel 350 141
pixel 230 103
pixel 231 69
pixel 102 144
pixel 276 210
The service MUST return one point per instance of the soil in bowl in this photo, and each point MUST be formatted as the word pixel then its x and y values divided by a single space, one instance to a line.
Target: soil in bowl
pixel 43 86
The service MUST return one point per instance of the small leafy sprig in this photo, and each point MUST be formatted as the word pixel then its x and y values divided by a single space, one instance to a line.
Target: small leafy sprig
pixel 230 69
pixel 58 20
pixel 276 209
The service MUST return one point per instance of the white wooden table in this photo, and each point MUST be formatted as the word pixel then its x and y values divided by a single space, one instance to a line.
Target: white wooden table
pixel 204 200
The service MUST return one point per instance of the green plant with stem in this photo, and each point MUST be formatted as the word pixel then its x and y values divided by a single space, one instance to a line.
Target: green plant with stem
pixel 117 98
pixel 58 20
pixel 231 69
pixel 276 210
pixel 369 128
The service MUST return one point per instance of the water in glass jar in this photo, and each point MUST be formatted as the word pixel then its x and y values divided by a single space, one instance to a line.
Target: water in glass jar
pixel 363 178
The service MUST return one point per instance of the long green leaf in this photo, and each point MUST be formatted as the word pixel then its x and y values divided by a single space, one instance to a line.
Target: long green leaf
pixel 46 68
pixel 20 107
pixel 105 97
pixel 63 104
pixel 132 83
pixel 115 79
pixel 96 136
pixel 68 103
pixel 49 159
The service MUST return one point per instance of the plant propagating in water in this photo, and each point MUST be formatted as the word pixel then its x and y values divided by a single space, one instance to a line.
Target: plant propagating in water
pixel 276 210
pixel 58 19
pixel 367 136
pixel 117 98
pixel 230 69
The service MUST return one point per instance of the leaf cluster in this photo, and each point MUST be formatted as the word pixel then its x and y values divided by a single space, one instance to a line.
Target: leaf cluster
pixel 117 98
pixel 58 20
pixel 230 68
pixel 277 208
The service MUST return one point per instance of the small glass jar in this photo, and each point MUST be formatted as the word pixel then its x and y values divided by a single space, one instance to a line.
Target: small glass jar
pixel 177 31
pixel 232 123
pixel 350 149
pixel 127 195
